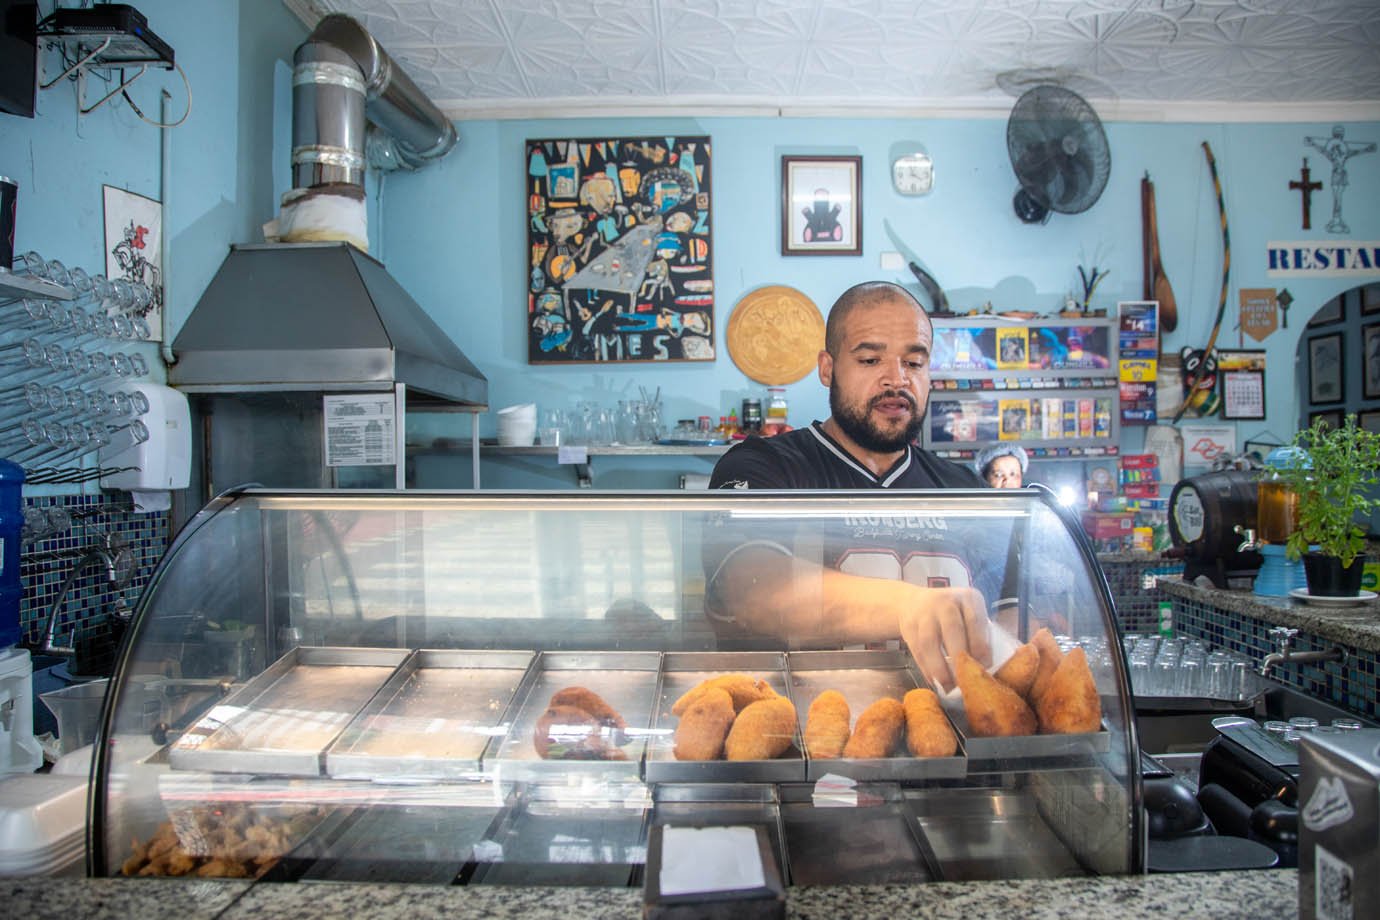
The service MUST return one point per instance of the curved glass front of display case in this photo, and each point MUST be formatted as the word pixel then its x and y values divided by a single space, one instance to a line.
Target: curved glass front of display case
pixel 485 688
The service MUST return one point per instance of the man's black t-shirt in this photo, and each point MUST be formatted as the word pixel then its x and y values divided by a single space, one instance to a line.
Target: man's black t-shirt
pixel 807 458
pixel 927 550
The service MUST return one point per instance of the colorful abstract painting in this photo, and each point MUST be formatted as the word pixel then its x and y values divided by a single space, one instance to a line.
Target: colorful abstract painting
pixel 619 250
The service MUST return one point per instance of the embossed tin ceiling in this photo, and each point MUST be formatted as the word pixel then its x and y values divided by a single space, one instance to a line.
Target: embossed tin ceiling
pixel 1147 59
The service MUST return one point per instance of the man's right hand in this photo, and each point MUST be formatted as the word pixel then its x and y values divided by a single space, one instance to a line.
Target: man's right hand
pixel 943 622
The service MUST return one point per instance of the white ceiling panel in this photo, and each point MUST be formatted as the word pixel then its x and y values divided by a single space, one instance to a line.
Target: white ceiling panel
pixel 1233 59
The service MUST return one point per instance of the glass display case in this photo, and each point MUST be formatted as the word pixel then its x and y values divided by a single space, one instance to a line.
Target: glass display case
pixel 477 688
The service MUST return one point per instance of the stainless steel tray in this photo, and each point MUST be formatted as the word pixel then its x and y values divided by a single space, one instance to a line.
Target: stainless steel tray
pixel 626 681
pixel 282 721
pixel 863 677
pixel 682 670
pixel 1024 751
pixel 433 718
pixel 877 842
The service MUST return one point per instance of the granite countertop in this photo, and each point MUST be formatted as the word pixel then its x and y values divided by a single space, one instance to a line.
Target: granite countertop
pixel 1207 895
pixel 1358 627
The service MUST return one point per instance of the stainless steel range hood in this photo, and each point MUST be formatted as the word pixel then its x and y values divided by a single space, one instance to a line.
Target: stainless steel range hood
pixel 316 316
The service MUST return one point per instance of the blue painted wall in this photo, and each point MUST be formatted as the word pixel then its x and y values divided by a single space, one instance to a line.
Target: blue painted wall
pixel 454 233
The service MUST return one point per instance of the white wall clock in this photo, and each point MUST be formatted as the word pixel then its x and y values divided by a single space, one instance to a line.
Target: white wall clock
pixel 913 174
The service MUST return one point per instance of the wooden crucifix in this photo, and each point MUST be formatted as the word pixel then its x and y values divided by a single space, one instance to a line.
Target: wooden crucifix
pixel 1307 188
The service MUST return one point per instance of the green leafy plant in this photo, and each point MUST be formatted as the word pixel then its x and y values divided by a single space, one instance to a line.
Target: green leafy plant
pixel 1335 488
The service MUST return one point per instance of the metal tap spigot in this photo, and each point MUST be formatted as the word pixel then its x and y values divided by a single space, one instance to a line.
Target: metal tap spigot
pixel 1248 540
pixel 108 556
pixel 1286 654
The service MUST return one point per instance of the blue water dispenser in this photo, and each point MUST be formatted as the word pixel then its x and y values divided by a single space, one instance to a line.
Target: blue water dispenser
pixel 11 525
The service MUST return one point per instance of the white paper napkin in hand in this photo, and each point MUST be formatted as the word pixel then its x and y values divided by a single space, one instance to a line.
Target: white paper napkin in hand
pixel 700 859
pixel 1003 646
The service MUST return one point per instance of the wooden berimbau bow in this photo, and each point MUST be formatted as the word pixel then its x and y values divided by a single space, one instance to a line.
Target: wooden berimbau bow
pixel 1222 296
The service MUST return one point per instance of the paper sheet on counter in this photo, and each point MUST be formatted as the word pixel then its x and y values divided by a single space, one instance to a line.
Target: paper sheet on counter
pixel 695 860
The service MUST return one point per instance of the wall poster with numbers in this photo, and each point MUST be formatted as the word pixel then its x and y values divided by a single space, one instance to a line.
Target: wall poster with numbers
pixel 619 250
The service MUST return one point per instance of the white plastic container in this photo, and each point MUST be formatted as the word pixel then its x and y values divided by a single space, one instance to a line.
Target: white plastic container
pixel 42 825
pixel 19 752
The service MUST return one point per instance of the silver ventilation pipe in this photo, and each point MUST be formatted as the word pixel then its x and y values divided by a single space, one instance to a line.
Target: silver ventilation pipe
pixel 341 76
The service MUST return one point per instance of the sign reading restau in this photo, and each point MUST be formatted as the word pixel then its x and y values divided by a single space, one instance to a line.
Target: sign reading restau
pixel 1322 259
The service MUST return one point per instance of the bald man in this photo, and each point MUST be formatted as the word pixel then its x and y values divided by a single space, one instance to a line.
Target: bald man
pixel 875 363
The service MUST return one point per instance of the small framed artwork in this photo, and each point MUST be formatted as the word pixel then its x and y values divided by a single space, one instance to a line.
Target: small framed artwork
pixel 1333 311
pixel 1325 369
pixel 1370 361
pixel 1369 421
pixel 1330 419
pixel 1370 299
pixel 821 206
pixel 133 252
pixel 1243 394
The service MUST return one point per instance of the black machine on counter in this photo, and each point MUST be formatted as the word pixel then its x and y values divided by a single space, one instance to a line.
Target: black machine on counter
pixel 1213 517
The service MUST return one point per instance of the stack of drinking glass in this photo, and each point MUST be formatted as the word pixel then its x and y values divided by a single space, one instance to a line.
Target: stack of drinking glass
pixel 63 369
pixel 1189 668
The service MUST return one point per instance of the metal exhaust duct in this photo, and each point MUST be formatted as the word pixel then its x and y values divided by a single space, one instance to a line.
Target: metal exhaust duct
pixel 341 77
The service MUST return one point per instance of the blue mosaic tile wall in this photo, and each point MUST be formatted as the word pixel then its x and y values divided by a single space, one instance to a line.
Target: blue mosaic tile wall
pixel 46 563
pixel 1352 685
pixel 1133 590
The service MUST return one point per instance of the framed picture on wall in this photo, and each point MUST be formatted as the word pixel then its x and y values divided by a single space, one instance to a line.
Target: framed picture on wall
pixel 1334 311
pixel 619 250
pixel 1332 418
pixel 133 252
pixel 1370 421
pixel 821 206
pixel 1370 299
pixel 1370 361
pixel 1325 369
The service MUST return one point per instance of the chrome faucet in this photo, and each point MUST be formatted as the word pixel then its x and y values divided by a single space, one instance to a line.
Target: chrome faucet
pixel 1286 654
pixel 1248 540
pixel 101 554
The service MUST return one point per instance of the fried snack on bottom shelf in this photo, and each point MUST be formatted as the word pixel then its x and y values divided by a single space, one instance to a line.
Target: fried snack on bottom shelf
pixel 1050 656
pixel 928 732
pixel 878 730
pixel 567 733
pixel 704 725
pixel 743 689
pixel 590 702
pixel 1019 671
pixel 994 709
pixel 826 725
pixel 221 841
pixel 1070 704
pixel 762 731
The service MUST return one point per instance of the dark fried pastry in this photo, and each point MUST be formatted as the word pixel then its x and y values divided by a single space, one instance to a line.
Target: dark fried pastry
pixel 826 725
pixel 567 733
pixel 878 730
pixel 1070 704
pixel 590 702
pixel 704 725
pixel 1019 671
pixel 994 709
pixel 928 732
pixel 763 730
pixel 1050 656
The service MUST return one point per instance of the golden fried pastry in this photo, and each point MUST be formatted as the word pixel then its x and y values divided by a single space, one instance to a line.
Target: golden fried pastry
pixel 1050 656
pixel 741 687
pixel 826 725
pixel 878 731
pixel 567 733
pixel 590 702
pixel 1070 704
pixel 928 732
pixel 994 709
pixel 1018 672
pixel 763 730
pixel 704 725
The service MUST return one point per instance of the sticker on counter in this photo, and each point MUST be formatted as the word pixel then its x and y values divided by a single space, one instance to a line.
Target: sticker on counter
pixel 360 429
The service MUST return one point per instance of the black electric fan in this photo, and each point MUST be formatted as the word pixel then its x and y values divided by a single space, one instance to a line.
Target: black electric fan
pixel 1058 151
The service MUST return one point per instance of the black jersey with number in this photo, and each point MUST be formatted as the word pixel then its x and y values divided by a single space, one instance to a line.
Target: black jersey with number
pixel 807 458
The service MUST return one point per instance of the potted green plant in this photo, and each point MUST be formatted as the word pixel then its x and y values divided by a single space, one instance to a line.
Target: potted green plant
pixel 1335 488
